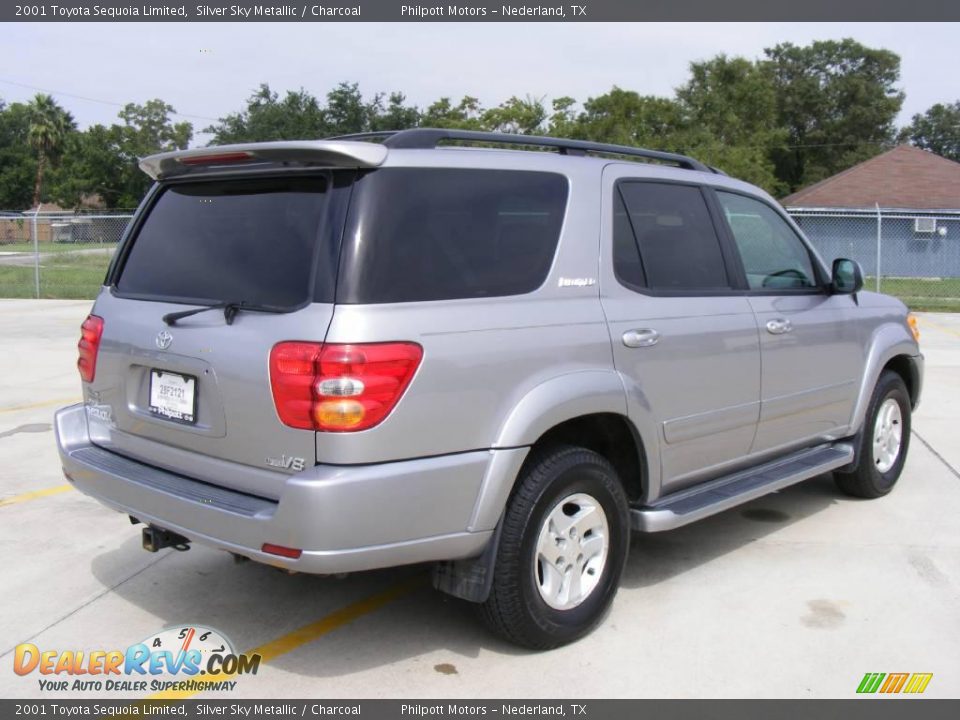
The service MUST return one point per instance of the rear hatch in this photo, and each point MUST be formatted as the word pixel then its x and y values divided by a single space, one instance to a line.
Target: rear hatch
pixel 192 393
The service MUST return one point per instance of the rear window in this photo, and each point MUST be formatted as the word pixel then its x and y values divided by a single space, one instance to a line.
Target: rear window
pixel 266 241
pixel 417 234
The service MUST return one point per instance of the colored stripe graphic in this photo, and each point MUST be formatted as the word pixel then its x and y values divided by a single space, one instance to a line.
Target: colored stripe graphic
pixel 918 683
pixel 893 683
pixel 870 682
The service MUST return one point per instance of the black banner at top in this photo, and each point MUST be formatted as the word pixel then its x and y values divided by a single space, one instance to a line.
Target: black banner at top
pixel 480 11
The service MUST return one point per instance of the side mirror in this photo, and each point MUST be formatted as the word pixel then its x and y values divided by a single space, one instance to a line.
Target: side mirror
pixel 847 277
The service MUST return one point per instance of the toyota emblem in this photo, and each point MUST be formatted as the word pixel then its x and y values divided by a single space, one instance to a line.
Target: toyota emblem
pixel 164 339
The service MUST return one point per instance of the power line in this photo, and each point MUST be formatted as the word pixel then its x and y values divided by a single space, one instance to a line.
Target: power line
pixel 95 100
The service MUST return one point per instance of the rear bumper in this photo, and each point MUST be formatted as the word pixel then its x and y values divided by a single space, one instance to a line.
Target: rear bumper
pixel 344 518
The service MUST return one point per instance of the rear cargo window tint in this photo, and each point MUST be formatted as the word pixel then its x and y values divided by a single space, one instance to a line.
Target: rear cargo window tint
pixel 253 240
pixel 417 234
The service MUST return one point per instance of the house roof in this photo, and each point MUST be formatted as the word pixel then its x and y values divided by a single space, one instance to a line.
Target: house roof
pixel 905 177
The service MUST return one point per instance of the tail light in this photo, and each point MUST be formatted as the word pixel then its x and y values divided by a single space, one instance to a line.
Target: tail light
pixel 90 333
pixel 340 388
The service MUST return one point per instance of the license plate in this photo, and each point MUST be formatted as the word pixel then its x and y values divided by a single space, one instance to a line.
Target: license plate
pixel 173 396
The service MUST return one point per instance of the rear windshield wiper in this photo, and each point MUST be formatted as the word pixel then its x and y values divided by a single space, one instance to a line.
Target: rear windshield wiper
pixel 230 310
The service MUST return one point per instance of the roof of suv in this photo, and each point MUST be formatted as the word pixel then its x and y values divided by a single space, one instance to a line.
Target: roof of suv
pixel 361 150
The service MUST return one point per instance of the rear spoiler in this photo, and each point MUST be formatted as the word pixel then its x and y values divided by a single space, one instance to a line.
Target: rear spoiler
pixel 299 153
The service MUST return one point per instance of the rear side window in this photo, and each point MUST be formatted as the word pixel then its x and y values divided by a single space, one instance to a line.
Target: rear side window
pixel 416 234
pixel 262 241
pixel 679 246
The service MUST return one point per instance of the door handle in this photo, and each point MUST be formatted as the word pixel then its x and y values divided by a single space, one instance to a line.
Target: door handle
pixel 644 337
pixel 779 326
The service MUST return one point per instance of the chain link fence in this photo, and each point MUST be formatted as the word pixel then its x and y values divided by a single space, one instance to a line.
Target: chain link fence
pixel 914 256
pixel 57 255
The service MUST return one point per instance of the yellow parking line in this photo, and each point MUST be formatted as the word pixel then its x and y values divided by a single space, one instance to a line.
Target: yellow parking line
pixel 938 326
pixel 308 633
pixel 44 403
pixel 36 494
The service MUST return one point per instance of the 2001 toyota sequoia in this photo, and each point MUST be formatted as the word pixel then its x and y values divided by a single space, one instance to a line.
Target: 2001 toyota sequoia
pixel 338 355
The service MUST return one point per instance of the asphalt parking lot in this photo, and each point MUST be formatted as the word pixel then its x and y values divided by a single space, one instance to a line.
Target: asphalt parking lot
pixel 794 595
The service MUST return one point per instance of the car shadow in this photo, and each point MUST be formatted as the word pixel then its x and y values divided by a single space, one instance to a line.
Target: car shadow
pixel 254 604
pixel 658 557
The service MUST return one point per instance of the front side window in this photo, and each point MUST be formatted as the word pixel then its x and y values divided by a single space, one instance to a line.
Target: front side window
pixel 678 244
pixel 774 258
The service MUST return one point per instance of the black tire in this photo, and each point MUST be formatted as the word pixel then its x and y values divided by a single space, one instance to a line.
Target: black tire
pixel 515 609
pixel 867 481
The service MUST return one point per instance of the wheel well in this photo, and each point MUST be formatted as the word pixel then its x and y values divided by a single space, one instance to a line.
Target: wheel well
pixel 904 367
pixel 607 434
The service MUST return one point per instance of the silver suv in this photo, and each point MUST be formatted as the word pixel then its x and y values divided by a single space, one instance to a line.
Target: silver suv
pixel 337 355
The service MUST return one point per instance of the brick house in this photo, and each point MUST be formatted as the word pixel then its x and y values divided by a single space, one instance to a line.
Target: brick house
pixel 911 196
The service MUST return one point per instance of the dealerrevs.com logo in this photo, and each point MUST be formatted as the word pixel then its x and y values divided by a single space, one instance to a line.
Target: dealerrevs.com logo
pixel 184 658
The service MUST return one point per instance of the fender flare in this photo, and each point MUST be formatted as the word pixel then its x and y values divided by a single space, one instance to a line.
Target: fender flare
pixel 559 399
pixel 547 405
pixel 554 401
pixel 887 342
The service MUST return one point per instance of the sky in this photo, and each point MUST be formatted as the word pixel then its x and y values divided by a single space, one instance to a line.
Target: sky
pixel 206 70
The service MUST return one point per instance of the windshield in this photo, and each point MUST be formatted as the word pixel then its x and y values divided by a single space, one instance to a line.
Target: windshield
pixel 263 241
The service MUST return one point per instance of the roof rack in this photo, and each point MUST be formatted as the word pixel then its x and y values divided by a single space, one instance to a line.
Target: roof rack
pixel 429 138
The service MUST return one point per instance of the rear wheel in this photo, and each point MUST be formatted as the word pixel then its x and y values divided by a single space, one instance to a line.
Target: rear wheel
pixel 884 442
pixel 562 551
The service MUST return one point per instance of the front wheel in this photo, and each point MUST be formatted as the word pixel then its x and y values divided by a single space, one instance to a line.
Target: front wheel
pixel 884 442
pixel 566 533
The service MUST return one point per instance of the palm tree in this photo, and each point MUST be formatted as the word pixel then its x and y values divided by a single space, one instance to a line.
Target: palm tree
pixel 49 126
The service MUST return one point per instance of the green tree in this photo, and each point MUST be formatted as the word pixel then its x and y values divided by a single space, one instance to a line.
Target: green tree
pixel 346 112
pixel 146 129
pixel 300 115
pixel 93 166
pixel 625 117
pixel 396 115
pixel 524 116
pixel 936 130
pixel 563 120
pixel 466 115
pixel 297 116
pixel 729 108
pixel 17 162
pixel 837 100
pixel 49 126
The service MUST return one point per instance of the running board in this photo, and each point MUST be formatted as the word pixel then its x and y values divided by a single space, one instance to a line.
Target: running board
pixel 725 492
